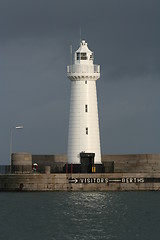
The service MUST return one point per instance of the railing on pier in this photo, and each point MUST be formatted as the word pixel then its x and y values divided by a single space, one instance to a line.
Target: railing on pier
pixel 27 169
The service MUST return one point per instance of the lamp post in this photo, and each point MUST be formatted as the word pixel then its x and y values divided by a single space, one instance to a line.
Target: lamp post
pixel 11 133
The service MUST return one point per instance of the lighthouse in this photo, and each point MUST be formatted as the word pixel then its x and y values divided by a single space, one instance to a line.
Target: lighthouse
pixel 83 135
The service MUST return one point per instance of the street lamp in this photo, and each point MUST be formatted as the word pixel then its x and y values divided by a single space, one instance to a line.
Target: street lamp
pixel 11 130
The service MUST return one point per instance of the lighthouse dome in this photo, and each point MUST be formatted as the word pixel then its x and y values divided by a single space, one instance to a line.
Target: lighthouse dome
pixel 83 54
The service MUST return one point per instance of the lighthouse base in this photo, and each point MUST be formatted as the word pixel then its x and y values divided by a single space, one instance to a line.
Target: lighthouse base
pixel 84 168
pixel 87 165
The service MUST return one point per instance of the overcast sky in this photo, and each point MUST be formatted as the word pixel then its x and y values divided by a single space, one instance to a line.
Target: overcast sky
pixel 35 36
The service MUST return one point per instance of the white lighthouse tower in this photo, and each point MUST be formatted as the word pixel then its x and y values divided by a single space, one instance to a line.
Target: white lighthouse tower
pixel 83 134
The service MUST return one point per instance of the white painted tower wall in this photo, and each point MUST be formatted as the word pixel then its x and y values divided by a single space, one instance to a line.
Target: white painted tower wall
pixel 83 133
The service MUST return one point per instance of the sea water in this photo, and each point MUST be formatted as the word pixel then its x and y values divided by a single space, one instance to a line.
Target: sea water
pixel 80 215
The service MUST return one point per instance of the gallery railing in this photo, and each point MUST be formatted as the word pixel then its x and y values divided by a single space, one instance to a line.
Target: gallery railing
pixel 28 169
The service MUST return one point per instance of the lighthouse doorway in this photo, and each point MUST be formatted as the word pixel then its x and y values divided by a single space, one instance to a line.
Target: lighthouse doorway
pixel 87 162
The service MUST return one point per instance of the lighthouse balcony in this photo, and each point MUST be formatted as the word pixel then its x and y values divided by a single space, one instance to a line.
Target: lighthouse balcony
pixel 78 72
pixel 83 68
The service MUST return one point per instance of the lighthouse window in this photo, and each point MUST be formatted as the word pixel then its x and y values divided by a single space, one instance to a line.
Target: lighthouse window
pixel 91 57
pixel 81 56
pixel 87 131
pixel 78 56
pixel 85 82
pixel 86 108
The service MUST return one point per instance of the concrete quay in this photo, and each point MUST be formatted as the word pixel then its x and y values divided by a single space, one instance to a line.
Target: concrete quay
pixel 80 182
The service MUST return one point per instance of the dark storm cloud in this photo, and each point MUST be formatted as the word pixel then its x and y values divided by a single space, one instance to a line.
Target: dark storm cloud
pixel 35 36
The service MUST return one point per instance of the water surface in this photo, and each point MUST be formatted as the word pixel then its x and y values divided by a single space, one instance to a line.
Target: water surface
pixel 80 215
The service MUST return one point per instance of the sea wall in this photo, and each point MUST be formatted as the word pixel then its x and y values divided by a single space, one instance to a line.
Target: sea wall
pixel 80 182
pixel 121 163
pixel 124 163
pixel 129 172
pixel 128 163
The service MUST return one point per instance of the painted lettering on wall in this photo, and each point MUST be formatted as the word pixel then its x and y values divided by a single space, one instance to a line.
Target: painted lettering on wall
pixel 132 180
pixel 106 180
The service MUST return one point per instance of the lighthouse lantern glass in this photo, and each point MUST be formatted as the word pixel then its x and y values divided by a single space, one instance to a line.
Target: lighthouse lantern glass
pixel 81 56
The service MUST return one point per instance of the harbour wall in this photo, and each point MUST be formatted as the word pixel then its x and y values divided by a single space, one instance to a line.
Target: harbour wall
pixel 128 163
pixel 124 163
pixel 80 182
pixel 127 172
